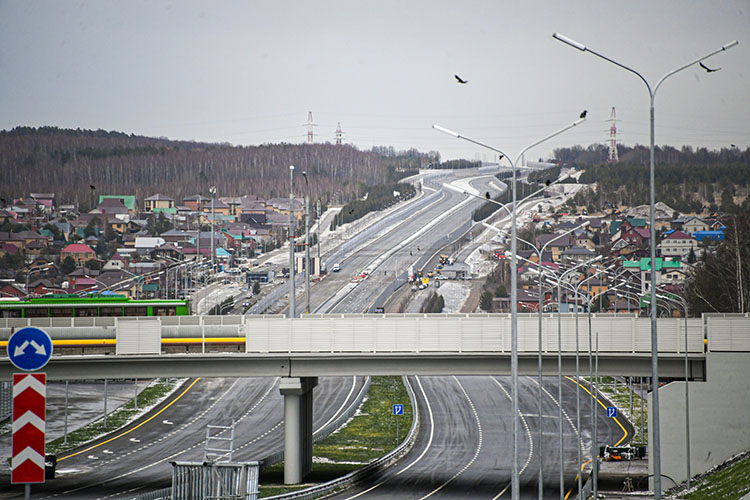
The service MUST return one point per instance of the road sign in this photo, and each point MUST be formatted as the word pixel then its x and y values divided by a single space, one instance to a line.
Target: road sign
pixel 398 409
pixel 29 402
pixel 29 348
pixel 612 411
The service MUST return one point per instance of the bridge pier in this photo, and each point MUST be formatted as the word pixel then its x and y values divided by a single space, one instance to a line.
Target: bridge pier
pixel 298 434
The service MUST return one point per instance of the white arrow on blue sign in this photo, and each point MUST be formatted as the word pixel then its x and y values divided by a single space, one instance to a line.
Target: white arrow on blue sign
pixel 612 411
pixel 398 409
pixel 29 348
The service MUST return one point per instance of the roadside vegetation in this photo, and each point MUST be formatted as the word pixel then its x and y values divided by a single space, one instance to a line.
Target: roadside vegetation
pixel 729 481
pixel 620 396
pixel 369 435
pixel 148 397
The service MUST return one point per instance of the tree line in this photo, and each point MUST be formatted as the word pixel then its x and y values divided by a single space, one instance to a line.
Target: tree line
pixel 78 165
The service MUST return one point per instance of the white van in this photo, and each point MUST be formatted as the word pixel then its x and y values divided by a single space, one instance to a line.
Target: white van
pixel 336 268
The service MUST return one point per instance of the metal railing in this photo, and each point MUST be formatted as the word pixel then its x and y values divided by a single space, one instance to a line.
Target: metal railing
pixel 360 474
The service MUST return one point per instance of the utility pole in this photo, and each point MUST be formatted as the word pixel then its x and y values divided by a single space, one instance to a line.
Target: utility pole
pixel 292 304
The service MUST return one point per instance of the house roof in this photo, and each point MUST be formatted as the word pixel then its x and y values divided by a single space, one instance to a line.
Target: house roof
pixel 77 248
pixel 159 197
pixel 555 239
pixel 127 199
pixel 678 235
pixel 196 197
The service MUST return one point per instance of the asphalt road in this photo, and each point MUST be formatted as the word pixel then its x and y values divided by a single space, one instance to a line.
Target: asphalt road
pixel 464 448
pixel 137 459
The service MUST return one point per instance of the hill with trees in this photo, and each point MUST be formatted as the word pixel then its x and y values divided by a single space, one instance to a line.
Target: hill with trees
pixel 67 162
pixel 688 180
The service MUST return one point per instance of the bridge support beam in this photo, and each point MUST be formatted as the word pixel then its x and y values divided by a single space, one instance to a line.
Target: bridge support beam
pixel 298 435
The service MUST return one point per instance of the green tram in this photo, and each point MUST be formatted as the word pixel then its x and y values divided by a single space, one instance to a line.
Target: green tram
pixel 73 306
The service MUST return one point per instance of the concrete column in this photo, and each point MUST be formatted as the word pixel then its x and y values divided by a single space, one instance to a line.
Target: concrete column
pixel 298 416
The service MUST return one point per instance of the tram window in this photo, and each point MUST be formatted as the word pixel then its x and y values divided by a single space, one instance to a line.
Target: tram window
pixel 10 313
pixel 61 312
pixel 164 311
pixel 86 312
pixel 36 312
pixel 136 311
pixel 111 311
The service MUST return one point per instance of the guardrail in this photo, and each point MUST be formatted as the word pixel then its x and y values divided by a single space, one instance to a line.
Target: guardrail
pixel 360 474
pixel 327 429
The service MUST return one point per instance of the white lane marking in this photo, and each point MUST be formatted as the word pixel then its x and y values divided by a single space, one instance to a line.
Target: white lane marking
pixel 432 431
pixel 429 443
pixel 528 433
pixel 346 400
pixel 93 457
pixel 134 440
pixel 476 452
pixel 173 432
pixel 167 422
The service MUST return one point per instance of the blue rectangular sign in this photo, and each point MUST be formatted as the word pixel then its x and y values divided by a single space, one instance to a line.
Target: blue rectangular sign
pixel 398 409
pixel 612 411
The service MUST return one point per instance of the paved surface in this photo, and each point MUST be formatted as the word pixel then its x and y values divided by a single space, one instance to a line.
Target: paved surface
pixel 136 460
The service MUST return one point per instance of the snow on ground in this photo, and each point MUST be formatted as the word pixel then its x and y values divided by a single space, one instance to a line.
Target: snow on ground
pixel 454 294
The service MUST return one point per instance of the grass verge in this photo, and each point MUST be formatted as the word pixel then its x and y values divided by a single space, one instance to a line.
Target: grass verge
pixel 620 396
pixel 729 481
pixel 115 420
pixel 369 435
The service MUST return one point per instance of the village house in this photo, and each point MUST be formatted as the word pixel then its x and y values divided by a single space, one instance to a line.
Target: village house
pixel 79 252
pixel 677 244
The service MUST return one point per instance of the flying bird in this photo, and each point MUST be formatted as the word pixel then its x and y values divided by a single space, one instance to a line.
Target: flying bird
pixel 583 115
pixel 351 211
pixel 92 186
pixel 487 195
pixel 708 70
pixel 733 145
pixel 460 80
pixel 548 182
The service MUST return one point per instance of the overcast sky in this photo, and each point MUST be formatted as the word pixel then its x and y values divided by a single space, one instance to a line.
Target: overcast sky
pixel 248 72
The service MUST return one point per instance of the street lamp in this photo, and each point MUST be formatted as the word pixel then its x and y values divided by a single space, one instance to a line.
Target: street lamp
pixel 212 190
pixel 539 354
pixel 32 271
pixel 292 304
pixel 515 483
pixel 307 243
pixel 656 451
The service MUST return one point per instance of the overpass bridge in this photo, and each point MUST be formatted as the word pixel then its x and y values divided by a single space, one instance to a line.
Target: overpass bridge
pixel 300 350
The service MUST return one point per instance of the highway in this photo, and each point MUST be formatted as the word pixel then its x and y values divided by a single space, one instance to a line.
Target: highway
pixel 137 459
pixel 464 446
pixel 465 441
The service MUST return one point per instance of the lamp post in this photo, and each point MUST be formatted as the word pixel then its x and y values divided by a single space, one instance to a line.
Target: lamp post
pixel 539 354
pixel 37 270
pixel 212 190
pixel 307 243
pixel 656 451
pixel 515 483
pixel 292 304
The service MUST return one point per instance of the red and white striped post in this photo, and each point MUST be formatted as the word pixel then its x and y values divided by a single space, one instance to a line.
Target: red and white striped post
pixel 29 404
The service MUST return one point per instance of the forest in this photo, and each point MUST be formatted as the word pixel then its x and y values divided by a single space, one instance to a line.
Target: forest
pixel 78 165
pixel 688 180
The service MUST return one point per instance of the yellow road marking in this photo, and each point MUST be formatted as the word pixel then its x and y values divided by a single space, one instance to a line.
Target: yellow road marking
pixel 134 428
pixel 625 432
pixel 179 340
pixel 576 479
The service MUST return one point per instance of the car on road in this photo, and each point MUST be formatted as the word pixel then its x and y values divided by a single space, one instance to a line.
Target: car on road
pixel 336 268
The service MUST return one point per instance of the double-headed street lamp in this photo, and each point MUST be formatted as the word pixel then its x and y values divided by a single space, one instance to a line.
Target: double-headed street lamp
pixel 515 483
pixel 656 451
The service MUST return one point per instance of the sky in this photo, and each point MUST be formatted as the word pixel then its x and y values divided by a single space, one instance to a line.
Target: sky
pixel 249 72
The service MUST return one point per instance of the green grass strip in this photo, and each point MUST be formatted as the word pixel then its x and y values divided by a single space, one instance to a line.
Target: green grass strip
pixel 115 420
pixel 369 435
pixel 730 481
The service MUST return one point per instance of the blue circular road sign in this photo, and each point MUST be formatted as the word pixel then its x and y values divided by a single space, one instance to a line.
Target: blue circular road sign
pixel 29 348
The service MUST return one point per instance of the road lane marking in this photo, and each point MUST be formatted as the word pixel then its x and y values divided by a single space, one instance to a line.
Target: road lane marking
pixel 528 433
pixel 476 452
pixel 429 443
pixel 134 428
pixel 346 400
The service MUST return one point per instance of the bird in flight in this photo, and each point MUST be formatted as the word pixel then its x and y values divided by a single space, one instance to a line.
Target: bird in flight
pixel 708 70
pixel 351 211
pixel 583 115
pixel 487 195
pixel 92 186
pixel 460 80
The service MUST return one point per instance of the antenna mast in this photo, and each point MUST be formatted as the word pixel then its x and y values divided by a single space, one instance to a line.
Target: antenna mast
pixel 613 158
pixel 309 128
